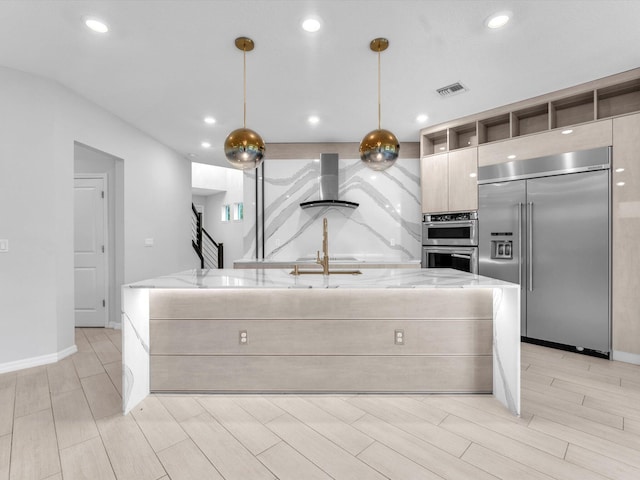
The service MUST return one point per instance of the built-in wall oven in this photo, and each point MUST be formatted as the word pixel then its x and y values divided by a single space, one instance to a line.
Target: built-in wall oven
pixel 450 241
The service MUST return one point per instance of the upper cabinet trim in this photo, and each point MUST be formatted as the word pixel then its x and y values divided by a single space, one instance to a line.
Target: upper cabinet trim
pixel 604 98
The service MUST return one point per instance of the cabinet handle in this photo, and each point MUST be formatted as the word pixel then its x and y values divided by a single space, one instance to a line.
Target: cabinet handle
pixel 530 256
pixel 520 243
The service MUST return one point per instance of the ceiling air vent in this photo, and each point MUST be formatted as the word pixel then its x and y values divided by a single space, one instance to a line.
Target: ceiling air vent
pixel 452 89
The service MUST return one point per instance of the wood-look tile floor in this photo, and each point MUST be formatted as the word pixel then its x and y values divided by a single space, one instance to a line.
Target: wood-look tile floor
pixel 580 420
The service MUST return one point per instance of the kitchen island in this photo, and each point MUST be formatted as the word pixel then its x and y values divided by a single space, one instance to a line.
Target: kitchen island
pixel 267 331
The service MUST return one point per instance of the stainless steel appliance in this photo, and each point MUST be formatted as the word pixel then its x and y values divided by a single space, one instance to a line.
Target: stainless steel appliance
pixel 450 229
pixel 459 258
pixel 450 241
pixel 545 224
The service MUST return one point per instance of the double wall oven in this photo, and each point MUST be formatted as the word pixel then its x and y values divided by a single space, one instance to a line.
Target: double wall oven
pixel 450 241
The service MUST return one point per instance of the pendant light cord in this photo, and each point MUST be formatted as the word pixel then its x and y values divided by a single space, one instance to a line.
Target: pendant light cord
pixel 244 86
pixel 379 115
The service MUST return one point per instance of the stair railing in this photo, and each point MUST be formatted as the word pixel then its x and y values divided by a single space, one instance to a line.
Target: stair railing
pixel 210 253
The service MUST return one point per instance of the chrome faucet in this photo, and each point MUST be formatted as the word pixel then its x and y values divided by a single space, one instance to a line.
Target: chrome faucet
pixel 324 261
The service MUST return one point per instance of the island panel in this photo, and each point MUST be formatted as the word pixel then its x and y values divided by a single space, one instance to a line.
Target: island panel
pixel 300 303
pixel 323 374
pixel 344 336
pixel 323 340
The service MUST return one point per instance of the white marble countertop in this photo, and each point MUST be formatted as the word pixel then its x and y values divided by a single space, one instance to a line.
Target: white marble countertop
pixel 369 279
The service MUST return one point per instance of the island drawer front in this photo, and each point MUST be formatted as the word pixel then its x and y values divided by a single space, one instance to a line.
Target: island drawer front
pixel 429 374
pixel 322 337
pixel 283 303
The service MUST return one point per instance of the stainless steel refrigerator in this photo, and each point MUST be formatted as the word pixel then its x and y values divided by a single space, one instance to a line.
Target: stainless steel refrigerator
pixel 545 224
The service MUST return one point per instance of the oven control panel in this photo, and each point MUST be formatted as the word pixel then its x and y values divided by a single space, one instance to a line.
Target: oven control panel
pixel 451 217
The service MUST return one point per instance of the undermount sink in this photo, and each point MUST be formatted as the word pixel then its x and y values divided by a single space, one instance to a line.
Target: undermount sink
pixel 319 271
pixel 331 259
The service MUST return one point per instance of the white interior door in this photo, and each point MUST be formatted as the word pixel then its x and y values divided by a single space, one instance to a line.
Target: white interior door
pixel 90 263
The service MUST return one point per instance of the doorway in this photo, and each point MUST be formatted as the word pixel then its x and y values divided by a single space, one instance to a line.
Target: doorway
pixel 90 162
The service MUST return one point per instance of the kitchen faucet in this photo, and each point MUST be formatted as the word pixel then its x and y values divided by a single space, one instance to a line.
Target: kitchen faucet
pixel 324 261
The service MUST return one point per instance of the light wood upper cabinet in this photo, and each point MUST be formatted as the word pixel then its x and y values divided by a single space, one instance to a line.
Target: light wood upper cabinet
pixel 434 178
pixel 463 181
pixel 581 137
pixel 449 181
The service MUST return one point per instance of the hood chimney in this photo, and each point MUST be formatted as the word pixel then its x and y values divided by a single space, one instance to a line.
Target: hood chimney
pixel 329 184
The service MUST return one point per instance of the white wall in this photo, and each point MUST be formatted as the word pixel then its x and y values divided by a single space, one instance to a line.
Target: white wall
pixel 40 122
pixel 199 200
pixel 208 177
pixel 214 187
pixel 229 233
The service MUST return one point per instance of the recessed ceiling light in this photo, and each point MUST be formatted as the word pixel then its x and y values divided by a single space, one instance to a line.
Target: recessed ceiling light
pixel 619 170
pixel 313 119
pixel 567 131
pixel 511 157
pixel 498 20
pixel 205 144
pixel 311 25
pixel 473 175
pixel 422 118
pixel 96 25
pixel 209 120
pixel 441 148
pixel 620 184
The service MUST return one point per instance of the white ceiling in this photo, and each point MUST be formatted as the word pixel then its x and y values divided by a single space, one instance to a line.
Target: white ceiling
pixel 166 64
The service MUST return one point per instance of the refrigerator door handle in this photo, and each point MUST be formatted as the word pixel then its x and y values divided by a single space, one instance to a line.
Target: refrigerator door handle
pixel 530 244
pixel 520 243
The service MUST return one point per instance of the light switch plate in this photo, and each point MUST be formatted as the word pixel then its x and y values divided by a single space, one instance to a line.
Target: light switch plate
pixel 4 245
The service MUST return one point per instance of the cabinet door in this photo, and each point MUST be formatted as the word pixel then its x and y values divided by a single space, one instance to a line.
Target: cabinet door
pixel 434 179
pixel 463 181
pixel 626 230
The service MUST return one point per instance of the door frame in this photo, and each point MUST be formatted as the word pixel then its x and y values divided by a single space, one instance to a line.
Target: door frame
pixel 107 248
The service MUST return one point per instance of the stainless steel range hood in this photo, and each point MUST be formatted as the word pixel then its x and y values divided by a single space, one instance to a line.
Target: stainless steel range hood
pixel 329 185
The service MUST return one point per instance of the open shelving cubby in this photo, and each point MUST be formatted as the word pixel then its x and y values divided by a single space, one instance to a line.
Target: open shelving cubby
pixel 494 129
pixel 573 110
pixel 463 136
pixel 530 120
pixel 619 99
pixel 435 142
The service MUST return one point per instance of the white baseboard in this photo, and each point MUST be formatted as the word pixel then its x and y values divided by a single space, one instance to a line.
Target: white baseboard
pixel 37 361
pixel 115 325
pixel 626 357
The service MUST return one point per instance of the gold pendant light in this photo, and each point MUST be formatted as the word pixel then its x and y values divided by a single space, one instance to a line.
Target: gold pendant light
pixel 379 148
pixel 243 147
